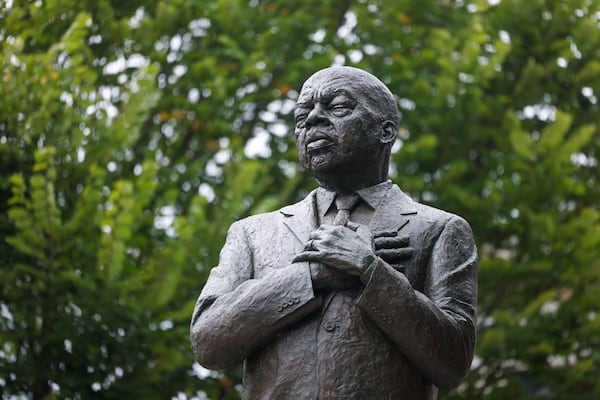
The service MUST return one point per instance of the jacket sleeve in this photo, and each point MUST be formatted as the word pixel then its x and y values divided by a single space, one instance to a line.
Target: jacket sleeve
pixel 434 329
pixel 236 314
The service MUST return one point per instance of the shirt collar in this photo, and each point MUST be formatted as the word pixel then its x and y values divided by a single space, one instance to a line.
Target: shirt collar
pixel 372 195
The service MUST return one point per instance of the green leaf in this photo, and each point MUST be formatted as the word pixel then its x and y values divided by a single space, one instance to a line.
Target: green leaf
pixel 553 135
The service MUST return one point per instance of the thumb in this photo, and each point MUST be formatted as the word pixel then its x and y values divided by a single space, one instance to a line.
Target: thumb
pixel 353 225
pixel 363 232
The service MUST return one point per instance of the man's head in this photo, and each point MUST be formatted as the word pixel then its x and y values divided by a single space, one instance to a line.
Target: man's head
pixel 346 123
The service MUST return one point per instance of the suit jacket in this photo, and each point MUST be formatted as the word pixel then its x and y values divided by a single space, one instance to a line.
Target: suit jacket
pixel 408 331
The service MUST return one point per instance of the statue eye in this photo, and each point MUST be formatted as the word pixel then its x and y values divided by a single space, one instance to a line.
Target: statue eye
pixel 300 120
pixel 341 109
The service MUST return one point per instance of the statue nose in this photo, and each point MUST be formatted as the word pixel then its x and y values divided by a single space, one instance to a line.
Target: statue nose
pixel 316 117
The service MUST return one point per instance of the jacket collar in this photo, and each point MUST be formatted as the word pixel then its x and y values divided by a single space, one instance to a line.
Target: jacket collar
pixel 392 214
pixel 372 196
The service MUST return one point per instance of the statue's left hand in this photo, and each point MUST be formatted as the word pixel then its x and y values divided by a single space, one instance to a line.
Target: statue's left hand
pixel 349 248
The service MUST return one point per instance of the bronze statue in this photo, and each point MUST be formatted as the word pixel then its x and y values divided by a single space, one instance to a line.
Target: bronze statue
pixel 355 292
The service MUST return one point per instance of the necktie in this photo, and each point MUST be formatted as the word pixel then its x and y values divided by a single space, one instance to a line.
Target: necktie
pixel 345 205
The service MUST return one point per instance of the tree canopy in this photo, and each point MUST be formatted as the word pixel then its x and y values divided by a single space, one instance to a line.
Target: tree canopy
pixel 133 133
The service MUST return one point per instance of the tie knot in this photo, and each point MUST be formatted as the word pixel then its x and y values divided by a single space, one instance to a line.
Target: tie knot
pixel 346 202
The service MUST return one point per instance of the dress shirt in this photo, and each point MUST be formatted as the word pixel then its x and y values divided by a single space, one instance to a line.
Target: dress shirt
pixel 370 198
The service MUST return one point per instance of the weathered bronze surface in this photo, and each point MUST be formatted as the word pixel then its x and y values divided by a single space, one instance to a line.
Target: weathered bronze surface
pixel 355 292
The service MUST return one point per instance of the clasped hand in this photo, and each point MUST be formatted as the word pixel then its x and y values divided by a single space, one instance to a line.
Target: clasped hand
pixel 340 255
pixel 349 250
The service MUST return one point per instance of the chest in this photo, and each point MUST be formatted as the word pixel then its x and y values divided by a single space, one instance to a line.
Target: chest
pixel 276 247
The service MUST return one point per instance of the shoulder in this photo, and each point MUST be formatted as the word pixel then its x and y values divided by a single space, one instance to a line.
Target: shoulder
pixel 264 221
pixel 254 223
pixel 450 224
pixel 426 212
pixel 435 214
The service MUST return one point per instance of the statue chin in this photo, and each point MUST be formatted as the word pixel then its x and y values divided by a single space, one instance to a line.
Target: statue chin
pixel 320 163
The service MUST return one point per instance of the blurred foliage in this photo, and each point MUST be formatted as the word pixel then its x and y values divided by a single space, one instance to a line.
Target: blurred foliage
pixel 133 133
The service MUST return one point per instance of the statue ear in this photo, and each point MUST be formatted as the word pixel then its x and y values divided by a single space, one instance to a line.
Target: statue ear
pixel 388 132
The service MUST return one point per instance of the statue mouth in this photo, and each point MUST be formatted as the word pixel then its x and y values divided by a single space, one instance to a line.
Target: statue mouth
pixel 318 142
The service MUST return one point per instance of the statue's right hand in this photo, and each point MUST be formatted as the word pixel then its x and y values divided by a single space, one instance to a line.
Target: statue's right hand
pixel 324 277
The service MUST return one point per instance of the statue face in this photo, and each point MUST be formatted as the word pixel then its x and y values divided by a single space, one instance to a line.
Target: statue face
pixel 334 125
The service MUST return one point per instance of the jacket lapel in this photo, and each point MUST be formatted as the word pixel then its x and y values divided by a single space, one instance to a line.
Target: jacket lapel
pixel 301 218
pixel 393 213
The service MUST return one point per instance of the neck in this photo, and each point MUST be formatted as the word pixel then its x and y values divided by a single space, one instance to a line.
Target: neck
pixel 356 174
pixel 347 182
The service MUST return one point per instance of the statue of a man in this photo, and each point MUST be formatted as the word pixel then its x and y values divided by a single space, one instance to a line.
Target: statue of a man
pixel 355 292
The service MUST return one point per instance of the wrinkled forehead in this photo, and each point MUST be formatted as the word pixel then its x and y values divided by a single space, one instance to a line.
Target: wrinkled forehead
pixel 321 87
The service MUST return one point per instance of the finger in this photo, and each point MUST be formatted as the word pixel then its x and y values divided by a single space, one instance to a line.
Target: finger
pixel 392 255
pixel 326 227
pixel 385 233
pixel 312 244
pixel 364 232
pixel 315 234
pixel 391 242
pixel 323 231
pixel 353 225
pixel 306 256
pixel 358 228
pixel 399 267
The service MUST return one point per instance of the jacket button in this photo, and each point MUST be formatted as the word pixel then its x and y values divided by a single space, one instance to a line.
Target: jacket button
pixel 329 326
